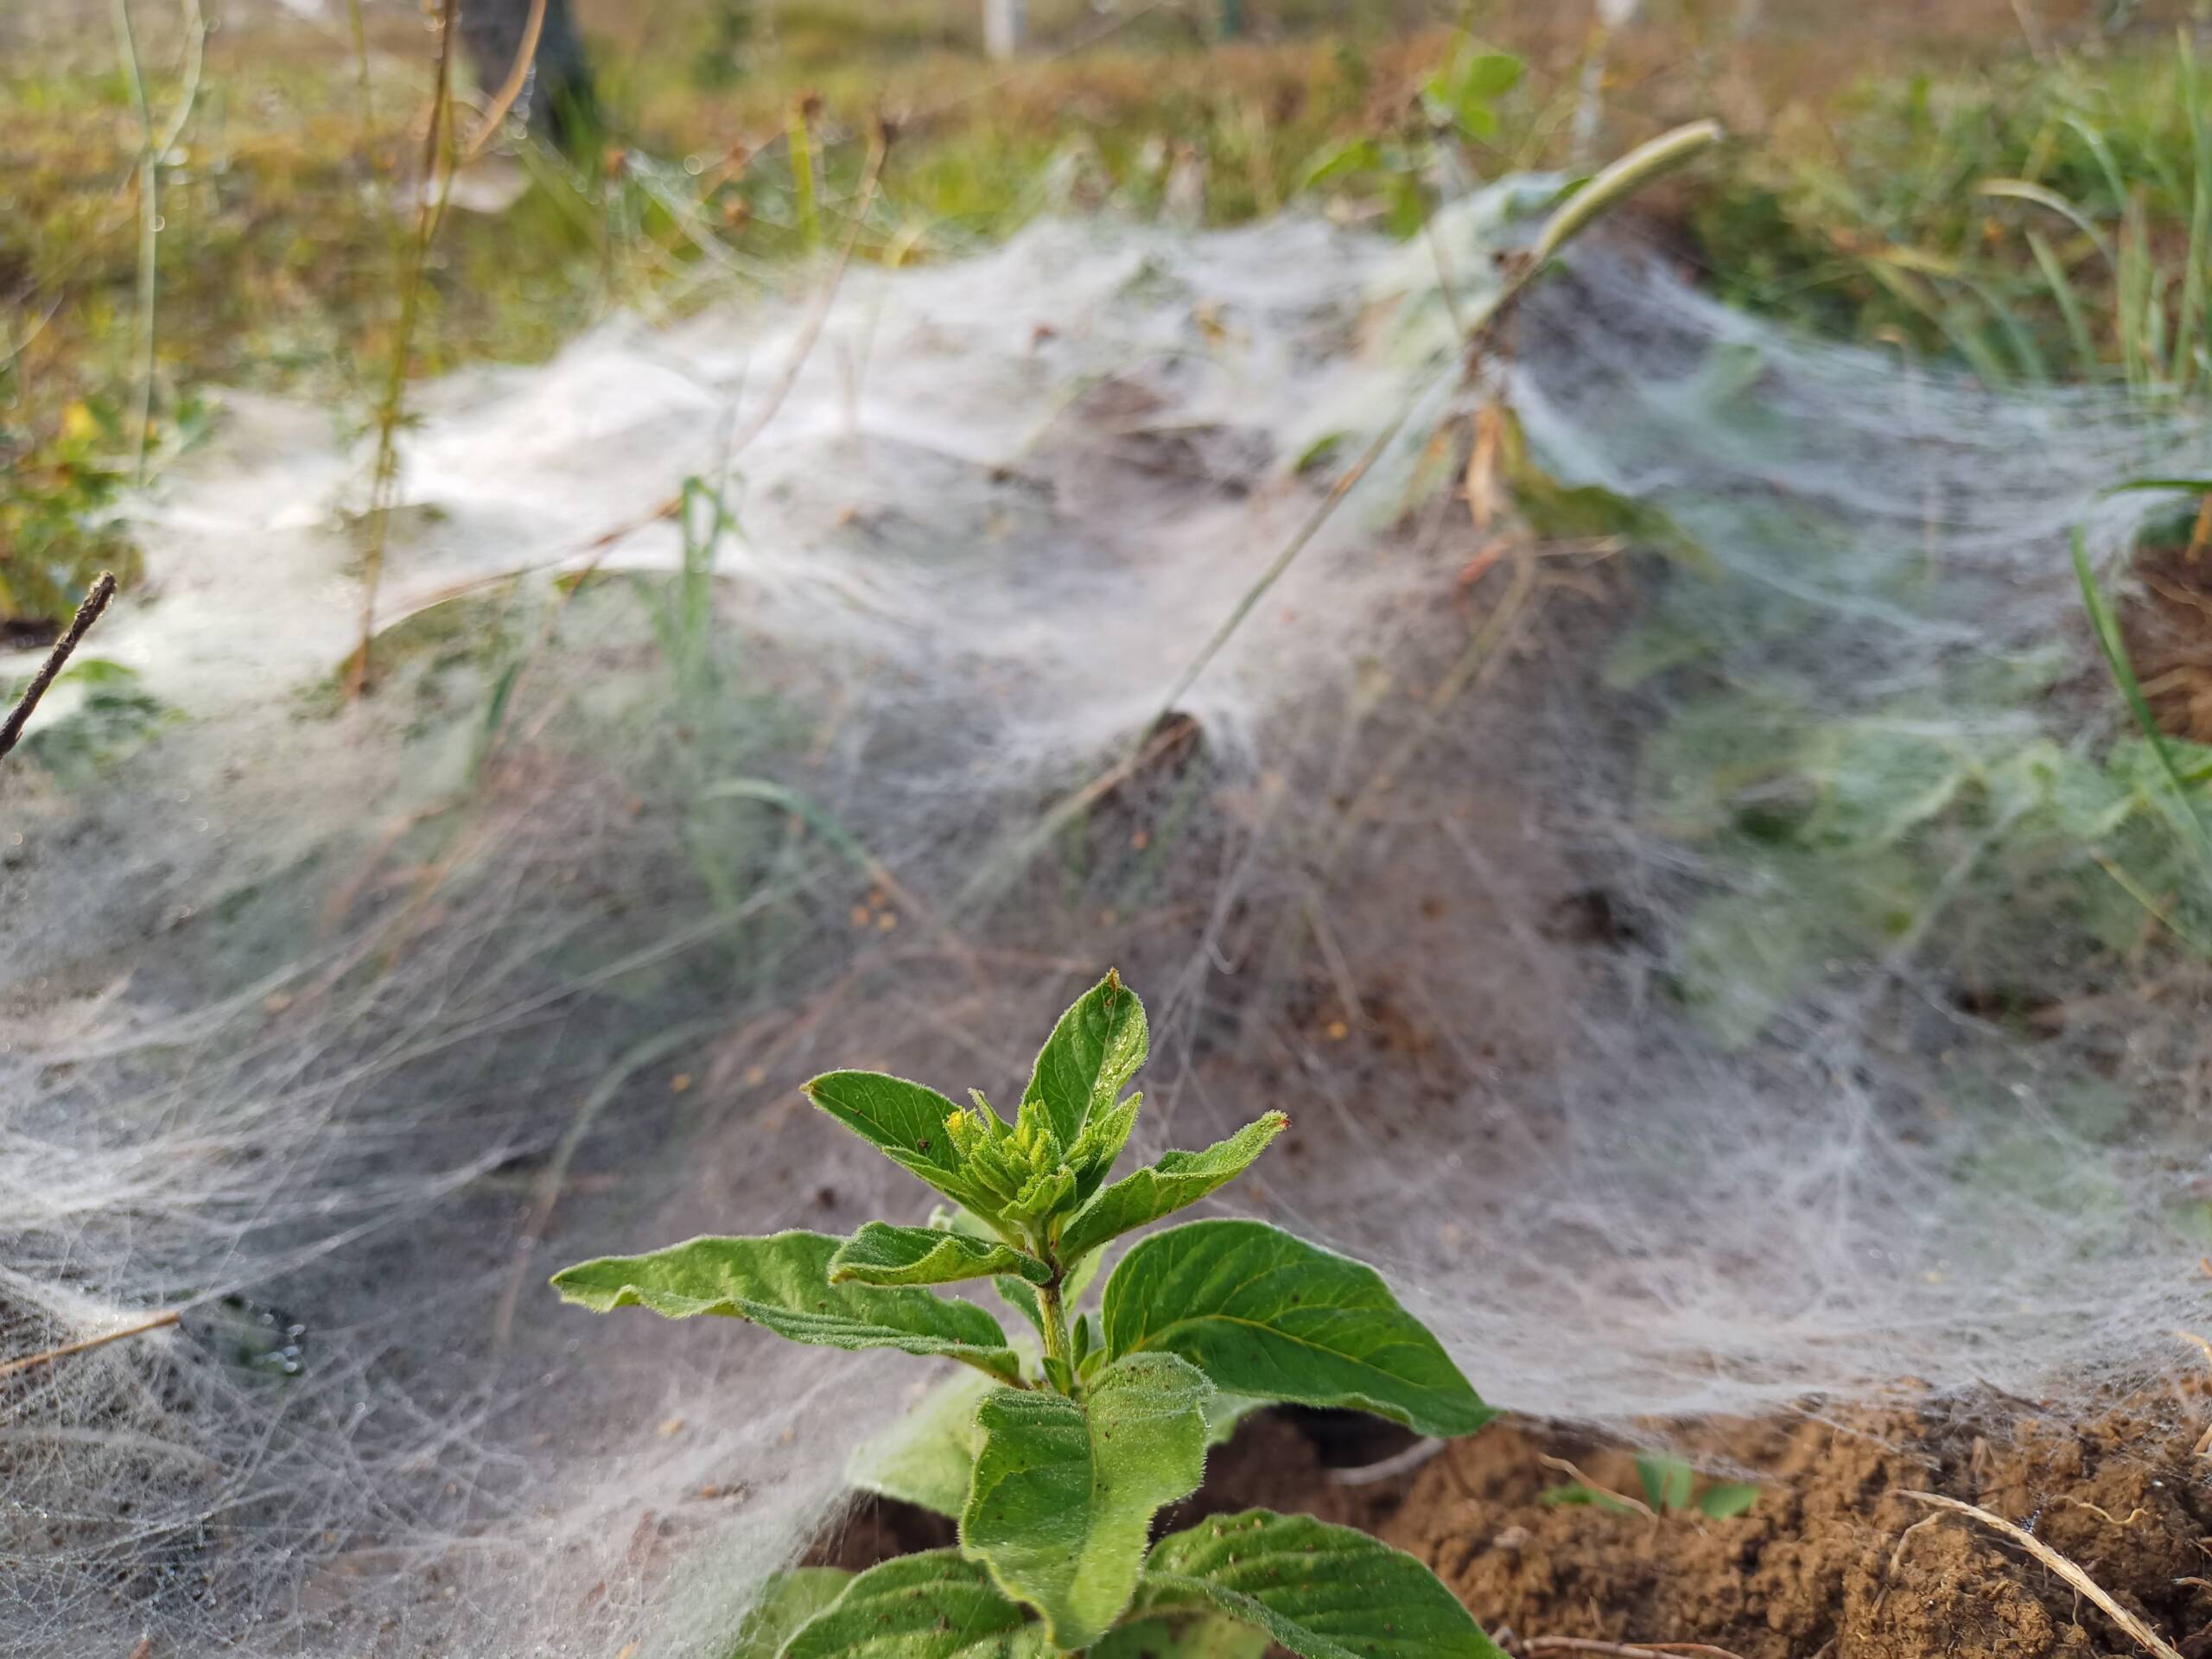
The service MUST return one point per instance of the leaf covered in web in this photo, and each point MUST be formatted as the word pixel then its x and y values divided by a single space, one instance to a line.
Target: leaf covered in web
pixel 783 1282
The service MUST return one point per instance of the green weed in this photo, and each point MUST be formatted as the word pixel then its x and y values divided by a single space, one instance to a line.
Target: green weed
pixel 1670 1487
pixel 2034 221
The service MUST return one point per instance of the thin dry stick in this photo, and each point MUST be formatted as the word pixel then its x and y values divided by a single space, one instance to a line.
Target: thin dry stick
pixel 804 347
pixel 2141 1633
pixel 809 332
pixel 1476 663
pixel 1399 1463
pixel 32 1362
pixel 1607 190
pixel 152 148
pixel 1897 1557
pixel 362 82
pixel 510 89
pixel 429 211
pixel 1567 1468
pixel 1072 807
pixel 1323 511
pixel 87 613
pixel 1624 1649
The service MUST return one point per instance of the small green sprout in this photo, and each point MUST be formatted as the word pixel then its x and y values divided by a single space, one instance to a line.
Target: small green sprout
pixel 1055 1457
pixel 1670 1487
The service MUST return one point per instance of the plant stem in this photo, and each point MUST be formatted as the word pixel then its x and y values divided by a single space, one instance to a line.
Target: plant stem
pixel 153 148
pixel 800 133
pixel 141 395
pixel 436 180
pixel 361 81
pixel 1053 1316
pixel 510 89
pixel 31 1362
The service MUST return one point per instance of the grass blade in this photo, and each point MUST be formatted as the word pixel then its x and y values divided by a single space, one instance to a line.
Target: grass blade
pixel 2069 301
pixel 2106 625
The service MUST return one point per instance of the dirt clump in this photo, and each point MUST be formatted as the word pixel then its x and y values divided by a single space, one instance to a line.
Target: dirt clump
pixel 2167 630
pixel 1833 1559
pixel 1547 1535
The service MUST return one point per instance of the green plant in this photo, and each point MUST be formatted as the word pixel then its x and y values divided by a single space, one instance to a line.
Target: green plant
pixel 113 716
pixel 1454 114
pixel 57 527
pixel 1056 1461
pixel 2034 220
pixel 1852 837
pixel 1670 1487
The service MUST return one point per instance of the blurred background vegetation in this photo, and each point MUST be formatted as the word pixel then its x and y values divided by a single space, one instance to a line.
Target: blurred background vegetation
pixel 192 200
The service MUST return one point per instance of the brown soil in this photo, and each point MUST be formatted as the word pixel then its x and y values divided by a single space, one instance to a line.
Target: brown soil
pixel 1832 1562
pixel 2168 630
pixel 1833 1559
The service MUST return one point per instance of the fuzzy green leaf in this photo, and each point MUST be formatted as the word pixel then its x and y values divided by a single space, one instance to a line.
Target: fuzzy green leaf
pixel 1092 1156
pixel 933 1605
pixel 1021 1297
pixel 1090 1058
pixel 1066 1491
pixel 1017 1292
pixel 1183 1636
pixel 1263 1313
pixel 1179 1179
pixel 783 1282
pixel 928 1456
pixel 1322 1591
pixel 903 1121
pixel 1087 1348
pixel 787 1601
pixel 880 1254
pixel 1047 1193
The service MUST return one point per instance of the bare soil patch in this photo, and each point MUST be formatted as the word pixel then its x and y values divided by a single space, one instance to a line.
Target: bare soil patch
pixel 1834 1561
pixel 2168 630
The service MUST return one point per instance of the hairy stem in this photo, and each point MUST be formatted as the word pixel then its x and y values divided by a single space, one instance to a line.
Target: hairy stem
pixel 1054 1318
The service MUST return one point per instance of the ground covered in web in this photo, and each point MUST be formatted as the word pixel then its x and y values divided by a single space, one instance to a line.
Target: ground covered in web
pixel 1666 840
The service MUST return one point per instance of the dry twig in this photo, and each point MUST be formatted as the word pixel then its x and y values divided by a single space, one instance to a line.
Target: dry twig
pixel 1622 1649
pixel 510 89
pixel 87 613
pixel 2142 1633
pixel 1897 1555
pixel 1637 1504
pixel 32 1362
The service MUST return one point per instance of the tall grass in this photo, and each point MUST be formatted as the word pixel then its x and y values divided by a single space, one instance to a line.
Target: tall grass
pixel 154 147
pixel 2038 221
pixel 2156 310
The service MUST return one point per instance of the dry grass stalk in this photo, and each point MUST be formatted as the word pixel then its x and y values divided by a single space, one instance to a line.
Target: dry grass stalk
pixel 2141 1633
pixel 33 1361
pixel 1565 1467
pixel 510 88
pixel 87 613
pixel 1622 1649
